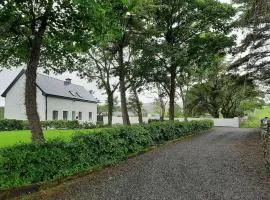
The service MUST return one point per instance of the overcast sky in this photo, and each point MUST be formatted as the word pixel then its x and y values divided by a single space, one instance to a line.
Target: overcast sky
pixel 7 76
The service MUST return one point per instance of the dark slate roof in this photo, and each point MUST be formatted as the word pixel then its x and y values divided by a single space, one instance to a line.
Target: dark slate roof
pixel 57 88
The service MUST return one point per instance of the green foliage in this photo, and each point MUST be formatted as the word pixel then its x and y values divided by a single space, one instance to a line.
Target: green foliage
pixel 254 20
pixel 178 112
pixel 186 35
pixel 155 120
pixel 231 95
pixel 2 111
pixel 249 106
pixel 255 116
pixel 10 138
pixel 9 125
pixel 37 162
pixel 61 124
pixel 21 21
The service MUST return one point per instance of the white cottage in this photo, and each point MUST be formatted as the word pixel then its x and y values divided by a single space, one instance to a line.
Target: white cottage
pixel 56 100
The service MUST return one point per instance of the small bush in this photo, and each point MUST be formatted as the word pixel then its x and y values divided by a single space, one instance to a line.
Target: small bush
pixel 32 163
pixel 10 125
pixel 155 120
pixel 60 124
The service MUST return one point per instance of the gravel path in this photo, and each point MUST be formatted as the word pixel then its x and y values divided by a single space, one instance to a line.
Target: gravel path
pixel 224 164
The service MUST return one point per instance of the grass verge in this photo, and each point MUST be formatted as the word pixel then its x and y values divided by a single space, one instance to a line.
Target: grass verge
pixel 34 191
pixel 254 118
pixel 9 138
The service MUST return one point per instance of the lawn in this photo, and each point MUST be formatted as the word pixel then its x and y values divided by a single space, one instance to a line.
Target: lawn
pixel 254 118
pixel 9 138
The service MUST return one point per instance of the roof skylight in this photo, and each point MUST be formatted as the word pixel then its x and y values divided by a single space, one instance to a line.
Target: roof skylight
pixel 79 95
pixel 72 93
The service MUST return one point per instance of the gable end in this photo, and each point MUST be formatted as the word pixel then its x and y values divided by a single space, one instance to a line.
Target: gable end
pixel 4 94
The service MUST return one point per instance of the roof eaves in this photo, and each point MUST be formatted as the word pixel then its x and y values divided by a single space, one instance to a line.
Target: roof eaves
pixel 4 94
pixel 70 98
pixel 43 93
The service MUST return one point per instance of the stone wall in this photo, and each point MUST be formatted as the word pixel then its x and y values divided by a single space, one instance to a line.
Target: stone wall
pixel 265 142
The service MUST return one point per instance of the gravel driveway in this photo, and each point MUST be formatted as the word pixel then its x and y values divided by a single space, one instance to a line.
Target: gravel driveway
pixel 224 164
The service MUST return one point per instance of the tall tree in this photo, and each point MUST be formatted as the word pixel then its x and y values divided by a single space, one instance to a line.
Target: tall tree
pixel 43 33
pixel 160 101
pixel 100 67
pixel 135 104
pixel 185 79
pixel 184 33
pixel 223 94
pixel 128 17
pixel 253 51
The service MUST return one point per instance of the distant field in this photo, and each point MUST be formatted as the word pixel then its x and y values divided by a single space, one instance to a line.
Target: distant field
pixel 1 112
pixel 254 118
pixel 9 138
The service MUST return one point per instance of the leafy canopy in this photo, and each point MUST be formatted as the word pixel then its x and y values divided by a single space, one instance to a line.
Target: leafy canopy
pixel 184 33
pixel 71 26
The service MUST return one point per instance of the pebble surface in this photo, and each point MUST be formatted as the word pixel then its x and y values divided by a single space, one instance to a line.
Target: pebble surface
pixel 224 164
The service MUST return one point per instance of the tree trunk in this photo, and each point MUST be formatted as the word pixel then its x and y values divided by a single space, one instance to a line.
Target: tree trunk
pixel 31 91
pixel 110 107
pixel 214 112
pixel 161 102
pixel 122 87
pixel 138 105
pixel 172 92
pixel 185 111
pixel 163 110
pixel 184 103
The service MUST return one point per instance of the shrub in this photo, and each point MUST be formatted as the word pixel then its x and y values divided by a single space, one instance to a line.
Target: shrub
pixel 10 125
pixel 32 163
pixel 61 124
pixel 155 120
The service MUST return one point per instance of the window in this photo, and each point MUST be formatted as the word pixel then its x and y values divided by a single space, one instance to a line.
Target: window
pixel 65 115
pixel 72 93
pixel 80 115
pixel 90 116
pixel 73 115
pixel 78 95
pixel 55 115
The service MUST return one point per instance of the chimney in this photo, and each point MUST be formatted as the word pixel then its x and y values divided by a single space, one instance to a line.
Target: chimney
pixel 67 81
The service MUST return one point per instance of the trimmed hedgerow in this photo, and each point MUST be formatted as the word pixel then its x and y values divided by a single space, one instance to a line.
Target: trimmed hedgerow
pixel 33 163
pixel 11 124
pixel 61 124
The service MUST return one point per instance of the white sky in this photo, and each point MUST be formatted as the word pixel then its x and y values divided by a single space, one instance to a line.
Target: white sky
pixel 7 76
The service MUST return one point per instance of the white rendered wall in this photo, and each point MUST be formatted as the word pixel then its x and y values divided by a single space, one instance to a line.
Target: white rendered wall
pixel 61 105
pixel 119 120
pixel 218 122
pixel 14 102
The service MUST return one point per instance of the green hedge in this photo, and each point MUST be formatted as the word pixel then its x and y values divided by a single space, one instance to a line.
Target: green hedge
pixel 155 120
pixel 11 124
pixel 2 111
pixel 61 124
pixel 32 163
